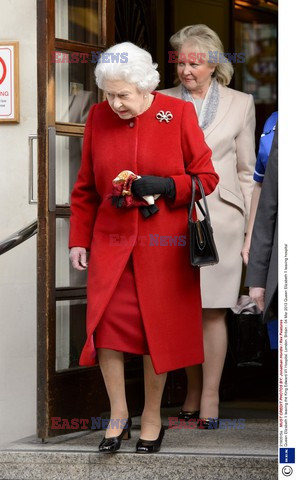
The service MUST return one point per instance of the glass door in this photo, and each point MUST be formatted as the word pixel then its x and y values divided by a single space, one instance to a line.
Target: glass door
pixel 256 33
pixel 70 35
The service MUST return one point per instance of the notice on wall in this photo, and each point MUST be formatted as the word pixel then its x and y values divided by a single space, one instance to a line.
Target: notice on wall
pixel 9 82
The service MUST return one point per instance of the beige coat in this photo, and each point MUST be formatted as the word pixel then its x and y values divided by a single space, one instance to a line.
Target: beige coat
pixel 231 136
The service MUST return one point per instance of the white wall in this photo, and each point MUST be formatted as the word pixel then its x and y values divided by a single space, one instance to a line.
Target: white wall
pixel 18 267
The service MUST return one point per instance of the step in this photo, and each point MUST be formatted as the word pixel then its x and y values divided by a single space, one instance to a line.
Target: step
pixel 249 453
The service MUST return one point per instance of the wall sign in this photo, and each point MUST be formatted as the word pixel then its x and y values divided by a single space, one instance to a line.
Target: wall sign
pixel 9 82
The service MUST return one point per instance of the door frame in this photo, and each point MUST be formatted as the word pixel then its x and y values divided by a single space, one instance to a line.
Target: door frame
pixel 55 389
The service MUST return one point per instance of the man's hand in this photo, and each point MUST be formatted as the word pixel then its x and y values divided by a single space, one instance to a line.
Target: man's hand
pixel 257 294
pixel 78 258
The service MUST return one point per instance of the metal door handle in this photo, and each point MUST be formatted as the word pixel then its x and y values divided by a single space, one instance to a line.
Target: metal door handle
pixel 32 200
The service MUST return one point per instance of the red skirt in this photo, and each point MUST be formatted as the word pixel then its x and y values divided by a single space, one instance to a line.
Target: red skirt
pixel 121 326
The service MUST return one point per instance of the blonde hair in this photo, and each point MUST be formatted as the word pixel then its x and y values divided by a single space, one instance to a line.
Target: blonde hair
pixel 206 41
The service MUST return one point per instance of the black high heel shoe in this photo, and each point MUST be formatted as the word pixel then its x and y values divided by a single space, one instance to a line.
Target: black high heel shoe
pixel 112 444
pixel 208 423
pixel 150 446
pixel 183 415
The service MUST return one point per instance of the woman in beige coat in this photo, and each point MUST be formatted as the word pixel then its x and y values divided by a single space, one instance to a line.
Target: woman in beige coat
pixel 227 118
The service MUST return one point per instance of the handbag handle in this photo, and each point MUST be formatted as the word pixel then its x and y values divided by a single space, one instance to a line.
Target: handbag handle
pixel 205 212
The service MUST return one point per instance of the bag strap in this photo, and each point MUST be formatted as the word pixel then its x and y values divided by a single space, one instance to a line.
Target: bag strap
pixel 204 211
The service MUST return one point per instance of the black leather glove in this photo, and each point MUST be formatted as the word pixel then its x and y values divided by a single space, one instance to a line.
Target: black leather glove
pixel 117 201
pixel 151 185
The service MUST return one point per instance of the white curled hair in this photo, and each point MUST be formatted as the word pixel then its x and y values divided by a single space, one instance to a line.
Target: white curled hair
pixel 131 64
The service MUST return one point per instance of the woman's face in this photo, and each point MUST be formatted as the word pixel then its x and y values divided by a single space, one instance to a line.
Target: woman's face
pixel 194 72
pixel 125 99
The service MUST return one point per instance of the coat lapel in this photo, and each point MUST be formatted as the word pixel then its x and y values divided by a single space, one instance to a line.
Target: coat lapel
pixel 223 107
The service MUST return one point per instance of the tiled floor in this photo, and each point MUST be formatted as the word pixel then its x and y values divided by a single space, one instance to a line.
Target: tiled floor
pixel 245 449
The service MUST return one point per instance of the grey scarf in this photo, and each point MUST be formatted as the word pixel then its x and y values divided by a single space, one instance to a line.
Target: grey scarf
pixel 209 106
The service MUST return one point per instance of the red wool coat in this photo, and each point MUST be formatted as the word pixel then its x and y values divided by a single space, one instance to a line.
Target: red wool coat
pixel 167 285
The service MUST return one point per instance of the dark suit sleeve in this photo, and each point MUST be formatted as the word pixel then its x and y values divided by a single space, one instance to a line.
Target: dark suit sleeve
pixel 265 223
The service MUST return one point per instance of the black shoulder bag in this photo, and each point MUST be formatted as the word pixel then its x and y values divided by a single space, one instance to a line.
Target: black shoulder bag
pixel 203 251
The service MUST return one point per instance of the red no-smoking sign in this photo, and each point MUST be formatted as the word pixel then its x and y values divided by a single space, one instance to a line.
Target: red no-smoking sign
pixel 9 82
pixel 3 70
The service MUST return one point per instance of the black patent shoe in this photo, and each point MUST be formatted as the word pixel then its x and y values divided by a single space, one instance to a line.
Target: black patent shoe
pixel 183 415
pixel 208 423
pixel 112 444
pixel 150 446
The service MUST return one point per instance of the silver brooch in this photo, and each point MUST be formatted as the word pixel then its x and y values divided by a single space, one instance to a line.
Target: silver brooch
pixel 167 116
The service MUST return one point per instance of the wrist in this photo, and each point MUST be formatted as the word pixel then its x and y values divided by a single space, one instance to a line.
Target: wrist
pixel 170 188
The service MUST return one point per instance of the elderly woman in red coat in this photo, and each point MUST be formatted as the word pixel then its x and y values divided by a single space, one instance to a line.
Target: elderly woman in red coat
pixel 143 294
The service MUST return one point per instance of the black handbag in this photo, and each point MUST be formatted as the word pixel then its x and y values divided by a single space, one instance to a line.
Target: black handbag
pixel 203 249
pixel 247 335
